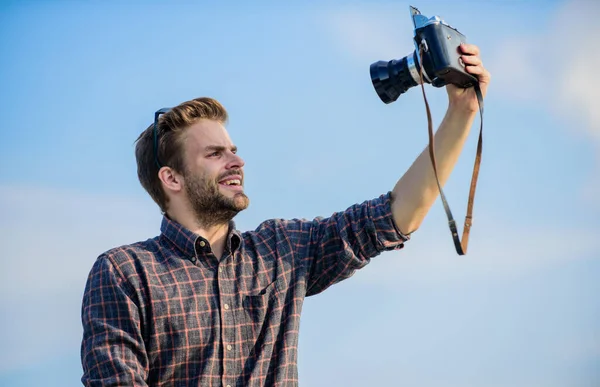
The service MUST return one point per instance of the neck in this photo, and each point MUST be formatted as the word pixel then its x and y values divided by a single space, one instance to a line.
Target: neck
pixel 214 233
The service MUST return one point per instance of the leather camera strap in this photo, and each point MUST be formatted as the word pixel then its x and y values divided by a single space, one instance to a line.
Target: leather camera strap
pixel 461 247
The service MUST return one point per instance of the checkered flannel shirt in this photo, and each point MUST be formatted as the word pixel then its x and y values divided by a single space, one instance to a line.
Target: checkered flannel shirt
pixel 167 312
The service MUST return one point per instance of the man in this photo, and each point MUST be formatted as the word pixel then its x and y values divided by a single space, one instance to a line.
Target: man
pixel 203 304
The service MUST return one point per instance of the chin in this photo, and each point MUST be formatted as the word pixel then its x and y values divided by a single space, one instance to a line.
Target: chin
pixel 241 200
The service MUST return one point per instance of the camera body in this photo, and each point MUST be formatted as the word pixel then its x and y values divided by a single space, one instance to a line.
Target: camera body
pixel 441 60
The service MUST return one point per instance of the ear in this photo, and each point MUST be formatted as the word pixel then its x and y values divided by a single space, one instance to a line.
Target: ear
pixel 172 181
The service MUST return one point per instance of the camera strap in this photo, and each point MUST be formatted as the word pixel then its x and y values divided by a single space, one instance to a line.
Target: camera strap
pixel 461 247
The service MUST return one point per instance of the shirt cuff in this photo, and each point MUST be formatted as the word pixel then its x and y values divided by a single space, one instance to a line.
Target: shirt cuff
pixel 389 237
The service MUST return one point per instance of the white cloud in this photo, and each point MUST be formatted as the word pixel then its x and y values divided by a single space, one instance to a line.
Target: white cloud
pixel 591 190
pixel 579 348
pixel 557 66
pixel 580 88
pixel 576 30
pixel 48 230
pixel 52 238
pixel 515 69
pixel 499 250
pixel 372 33
pixel 50 241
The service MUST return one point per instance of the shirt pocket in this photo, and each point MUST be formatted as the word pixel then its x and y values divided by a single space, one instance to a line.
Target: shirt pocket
pixel 260 304
pixel 262 319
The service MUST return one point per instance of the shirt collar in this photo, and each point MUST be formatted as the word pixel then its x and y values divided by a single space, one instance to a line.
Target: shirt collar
pixel 190 243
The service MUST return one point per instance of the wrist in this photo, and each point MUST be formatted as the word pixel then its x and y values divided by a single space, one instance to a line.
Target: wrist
pixel 458 120
pixel 464 110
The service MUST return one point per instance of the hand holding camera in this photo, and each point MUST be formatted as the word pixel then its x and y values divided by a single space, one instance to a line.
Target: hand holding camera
pixel 465 98
pixel 441 57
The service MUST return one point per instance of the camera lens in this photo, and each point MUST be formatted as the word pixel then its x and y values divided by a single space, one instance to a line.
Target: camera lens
pixel 393 78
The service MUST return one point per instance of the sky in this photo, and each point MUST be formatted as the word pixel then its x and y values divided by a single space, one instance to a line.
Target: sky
pixel 81 80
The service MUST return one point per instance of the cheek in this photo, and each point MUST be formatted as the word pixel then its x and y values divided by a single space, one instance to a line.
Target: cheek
pixel 197 178
pixel 203 170
pixel 209 172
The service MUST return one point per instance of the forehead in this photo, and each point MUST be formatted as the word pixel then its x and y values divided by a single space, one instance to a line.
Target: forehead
pixel 205 133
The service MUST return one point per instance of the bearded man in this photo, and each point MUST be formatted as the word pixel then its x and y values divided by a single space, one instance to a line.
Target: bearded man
pixel 203 304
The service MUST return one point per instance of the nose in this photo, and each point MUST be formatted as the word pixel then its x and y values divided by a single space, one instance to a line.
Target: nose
pixel 235 161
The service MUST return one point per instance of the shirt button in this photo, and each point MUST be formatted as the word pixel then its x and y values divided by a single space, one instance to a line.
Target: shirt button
pixel 226 306
pixel 229 347
pixel 202 243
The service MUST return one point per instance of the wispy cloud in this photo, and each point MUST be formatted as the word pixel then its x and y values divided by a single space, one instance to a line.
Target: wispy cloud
pixel 556 65
pixel 50 241
pixel 53 237
pixel 576 29
pixel 371 32
pixel 503 252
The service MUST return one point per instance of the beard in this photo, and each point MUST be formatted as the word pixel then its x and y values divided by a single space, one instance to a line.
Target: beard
pixel 210 206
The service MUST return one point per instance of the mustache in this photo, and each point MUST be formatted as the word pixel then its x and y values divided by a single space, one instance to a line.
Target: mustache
pixel 232 172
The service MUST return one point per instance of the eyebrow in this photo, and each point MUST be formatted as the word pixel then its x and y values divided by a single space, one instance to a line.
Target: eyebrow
pixel 220 148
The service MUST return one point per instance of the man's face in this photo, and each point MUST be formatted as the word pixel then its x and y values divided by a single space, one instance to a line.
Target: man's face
pixel 214 177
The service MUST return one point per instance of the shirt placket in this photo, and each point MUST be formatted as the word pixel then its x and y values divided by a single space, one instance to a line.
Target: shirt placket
pixel 228 307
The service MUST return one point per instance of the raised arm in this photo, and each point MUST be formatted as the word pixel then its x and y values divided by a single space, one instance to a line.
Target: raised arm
pixel 417 190
pixel 112 349
pixel 346 241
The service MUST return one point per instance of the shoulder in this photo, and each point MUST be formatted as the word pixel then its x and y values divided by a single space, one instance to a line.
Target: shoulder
pixel 378 207
pixel 278 226
pixel 129 261
pixel 281 235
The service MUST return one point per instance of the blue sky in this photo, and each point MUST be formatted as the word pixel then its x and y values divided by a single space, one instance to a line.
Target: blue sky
pixel 80 80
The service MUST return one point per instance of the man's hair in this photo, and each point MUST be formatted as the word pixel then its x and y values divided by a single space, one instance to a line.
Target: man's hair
pixel 170 130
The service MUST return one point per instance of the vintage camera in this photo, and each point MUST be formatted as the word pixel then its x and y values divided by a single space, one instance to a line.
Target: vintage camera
pixel 441 60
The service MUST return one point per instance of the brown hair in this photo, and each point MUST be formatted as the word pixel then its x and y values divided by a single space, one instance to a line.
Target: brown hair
pixel 170 129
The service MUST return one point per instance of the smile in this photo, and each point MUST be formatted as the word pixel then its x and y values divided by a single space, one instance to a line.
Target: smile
pixel 233 182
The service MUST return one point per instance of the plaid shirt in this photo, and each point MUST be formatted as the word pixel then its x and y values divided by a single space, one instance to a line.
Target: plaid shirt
pixel 167 312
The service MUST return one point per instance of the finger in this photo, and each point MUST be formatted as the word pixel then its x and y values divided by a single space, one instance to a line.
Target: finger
pixel 478 70
pixel 482 74
pixel 469 49
pixel 471 59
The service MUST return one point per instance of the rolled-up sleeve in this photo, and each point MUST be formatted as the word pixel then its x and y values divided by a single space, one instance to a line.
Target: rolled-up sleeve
pixel 112 348
pixel 345 242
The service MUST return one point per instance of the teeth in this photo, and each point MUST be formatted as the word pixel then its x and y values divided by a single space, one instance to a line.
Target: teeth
pixel 233 182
